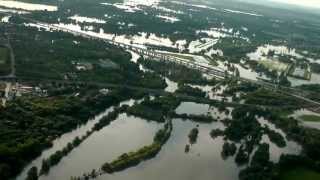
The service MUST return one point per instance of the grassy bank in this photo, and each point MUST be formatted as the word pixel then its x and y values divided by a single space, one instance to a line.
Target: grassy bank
pixel 299 173
pixel 4 61
pixel 130 159
pixel 310 118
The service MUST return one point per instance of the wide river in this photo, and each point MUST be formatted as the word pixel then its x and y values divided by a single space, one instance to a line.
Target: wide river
pixel 126 134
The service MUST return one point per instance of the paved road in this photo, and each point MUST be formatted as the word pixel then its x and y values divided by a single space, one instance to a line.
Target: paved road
pixel 214 71
pixel 159 92
pixel 285 90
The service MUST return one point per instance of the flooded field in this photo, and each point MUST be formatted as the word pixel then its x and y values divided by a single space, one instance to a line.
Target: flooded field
pixel 27 6
pixel 62 141
pixel 275 151
pixel 303 112
pixel 202 109
pixel 315 78
pixel 203 162
pixel 122 135
pixel 127 133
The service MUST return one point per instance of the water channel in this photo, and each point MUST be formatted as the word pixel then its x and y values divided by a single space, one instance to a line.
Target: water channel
pixel 63 140
pixel 123 135
pixel 128 133
pixel 203 161
pixel 297 115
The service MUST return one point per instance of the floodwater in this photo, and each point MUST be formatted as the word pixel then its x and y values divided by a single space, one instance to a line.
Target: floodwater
pixel 275 151
pixel 297 114
pixel 83 19
pixel 128 133
pixel 172 86
pixel 63 140
pixel 202 109
pixel 123 135
pixel 261 51
pixel 27 6
pixel 214 92
pixel 203 162
pixel 315 79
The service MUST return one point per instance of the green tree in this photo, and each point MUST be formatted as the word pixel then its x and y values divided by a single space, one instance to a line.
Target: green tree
pixel 33 173
pixel 45 167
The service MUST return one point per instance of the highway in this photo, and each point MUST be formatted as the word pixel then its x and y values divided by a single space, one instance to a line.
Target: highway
pixel 156 92
pixel 151 54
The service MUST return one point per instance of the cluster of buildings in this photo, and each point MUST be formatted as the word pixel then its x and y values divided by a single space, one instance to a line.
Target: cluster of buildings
pixel 83 66
pixel 302 71
pixel 9 91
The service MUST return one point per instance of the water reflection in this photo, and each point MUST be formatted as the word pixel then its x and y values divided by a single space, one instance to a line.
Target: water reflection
pixel 123 135
pixel 214 92
pixel 275 151
pixel 63 140
pixel 315 79
pixel 203 161
pixel 172 86
pixel 203 109
pixel 297 115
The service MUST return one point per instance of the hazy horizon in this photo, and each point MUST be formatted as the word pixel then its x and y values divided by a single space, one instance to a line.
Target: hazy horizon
pixel 305 3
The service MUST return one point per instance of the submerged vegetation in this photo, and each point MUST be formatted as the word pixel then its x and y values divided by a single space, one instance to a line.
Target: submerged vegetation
pixel 130 159
pixel 196 118
pixel 188 90
pixel 55 158
pixel 177 73
pixel 82 77
pixel 157 109
pixel 133 158
pixel 4 61
pixel 299 173
pixel 269 98
pixel 193 135
pixel 41 120
pixel 228 149
pixel 310 118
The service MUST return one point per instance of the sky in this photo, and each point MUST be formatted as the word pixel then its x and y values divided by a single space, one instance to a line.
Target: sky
pixel 306 3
